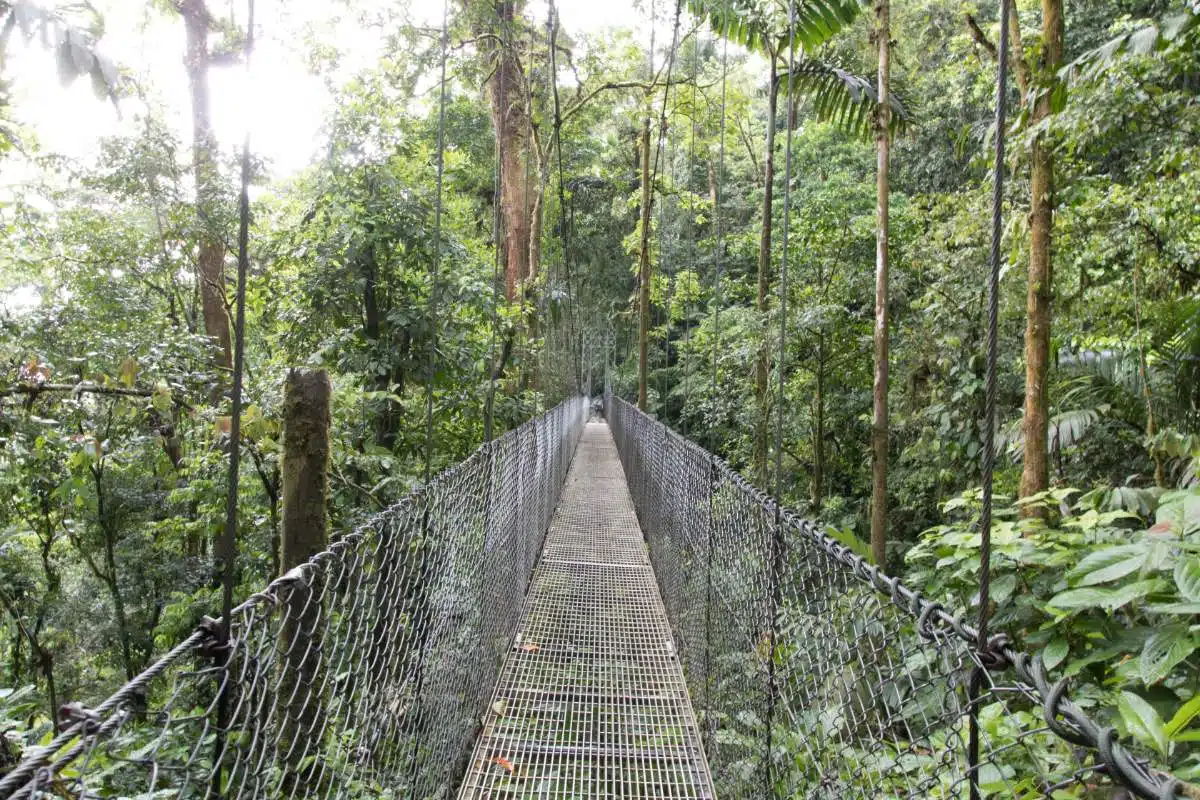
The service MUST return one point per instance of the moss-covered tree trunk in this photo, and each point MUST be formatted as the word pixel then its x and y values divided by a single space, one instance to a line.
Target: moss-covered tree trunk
pixel 879 422
pixel 305 491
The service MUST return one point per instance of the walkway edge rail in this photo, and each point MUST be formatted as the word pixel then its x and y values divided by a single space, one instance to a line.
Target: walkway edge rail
pixel 690 544
pixel 366 667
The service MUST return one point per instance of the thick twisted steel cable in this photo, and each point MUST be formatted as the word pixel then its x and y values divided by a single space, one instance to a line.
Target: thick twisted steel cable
pixel 564 221
pixel 497 259
pixel 431 367
pixel 228 544
pixel 435 269
pixel 989 412
pixel 719 245
pixel 778 543
pixel 691 160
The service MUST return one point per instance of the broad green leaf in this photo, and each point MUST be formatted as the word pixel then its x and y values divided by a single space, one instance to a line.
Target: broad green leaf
pixel 1142 721
pixel 1163 650
pixel 1183 716
pixel 1081 598
pixel 1175 608
pixel 1109 564
pixel 1187 577
pixel 1055 652
pixel 1110 599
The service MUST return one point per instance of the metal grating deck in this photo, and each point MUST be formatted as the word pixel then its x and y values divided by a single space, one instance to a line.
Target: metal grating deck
pixel 591 701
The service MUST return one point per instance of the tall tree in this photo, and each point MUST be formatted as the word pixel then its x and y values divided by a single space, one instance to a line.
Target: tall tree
pixel 521 182
pixel 1039 293
pixel 210 261
pixel 879 422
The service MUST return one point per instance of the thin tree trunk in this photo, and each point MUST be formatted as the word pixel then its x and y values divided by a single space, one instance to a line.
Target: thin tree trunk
pixel 817 496
pixel 210 263
pixel 1034 424
pixel 644 265
pixel 761 366
pixel 109 576
pixel 879 424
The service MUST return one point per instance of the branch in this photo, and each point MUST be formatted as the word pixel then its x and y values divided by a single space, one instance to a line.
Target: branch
pixel 83 387
pixel 1015 59
pixel 979 36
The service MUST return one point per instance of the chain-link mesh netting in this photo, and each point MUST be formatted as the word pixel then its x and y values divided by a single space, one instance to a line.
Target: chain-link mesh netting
pixel 362 673
pixel 792 645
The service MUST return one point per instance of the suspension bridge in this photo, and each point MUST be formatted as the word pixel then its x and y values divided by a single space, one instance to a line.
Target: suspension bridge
pixel 587 609
pixel 592 608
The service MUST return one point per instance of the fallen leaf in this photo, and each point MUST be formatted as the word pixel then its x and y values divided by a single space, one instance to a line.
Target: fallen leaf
pixel 500 706
pixel 504 762
pixel 531 647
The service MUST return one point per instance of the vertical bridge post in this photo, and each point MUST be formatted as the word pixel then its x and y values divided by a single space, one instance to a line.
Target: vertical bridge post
pixel 305 488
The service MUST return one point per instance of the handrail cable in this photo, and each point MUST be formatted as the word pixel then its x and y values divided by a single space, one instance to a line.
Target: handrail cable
pixel 228 542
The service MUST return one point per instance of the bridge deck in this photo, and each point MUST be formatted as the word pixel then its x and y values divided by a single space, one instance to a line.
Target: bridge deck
pixel 591 701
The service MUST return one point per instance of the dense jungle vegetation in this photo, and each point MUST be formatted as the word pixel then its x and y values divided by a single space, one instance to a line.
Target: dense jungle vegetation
pixel 628 233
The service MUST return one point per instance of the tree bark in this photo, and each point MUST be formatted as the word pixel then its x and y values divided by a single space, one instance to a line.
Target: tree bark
pixel 520 197
pixel 879 424
pixel 210 262
pixel 644 265
pixel 817 494
pixel 1034 423
pixel 761 366
pixel 305 489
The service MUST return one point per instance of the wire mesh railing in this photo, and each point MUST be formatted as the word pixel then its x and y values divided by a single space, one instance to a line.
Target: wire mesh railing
pixel 362 673
pixel 814 675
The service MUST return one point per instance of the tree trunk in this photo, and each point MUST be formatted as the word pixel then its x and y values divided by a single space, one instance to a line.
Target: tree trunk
pixel 210 262
pixel 879 424
pixel 644 264
pixel 817 495
pixel 1034 424
pixel 761 367
pixel 305 490
pixel 519 196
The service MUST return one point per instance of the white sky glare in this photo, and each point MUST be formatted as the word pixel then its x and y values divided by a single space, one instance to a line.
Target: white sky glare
pixel 283 103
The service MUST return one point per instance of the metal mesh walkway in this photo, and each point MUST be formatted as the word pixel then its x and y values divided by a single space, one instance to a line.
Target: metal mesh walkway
pixel 591 702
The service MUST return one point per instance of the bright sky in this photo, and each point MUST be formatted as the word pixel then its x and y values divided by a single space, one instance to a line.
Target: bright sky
pixel 284 104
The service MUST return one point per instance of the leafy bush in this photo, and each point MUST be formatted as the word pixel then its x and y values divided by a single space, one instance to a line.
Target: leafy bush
pixel 1107 595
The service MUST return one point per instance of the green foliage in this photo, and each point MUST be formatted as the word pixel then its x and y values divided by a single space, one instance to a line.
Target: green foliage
pixel 1106 596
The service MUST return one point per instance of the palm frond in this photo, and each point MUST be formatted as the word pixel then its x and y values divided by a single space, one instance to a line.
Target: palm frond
pixel 843 98
pixel 1150 38
pixel 1064 430
pixel 816 22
